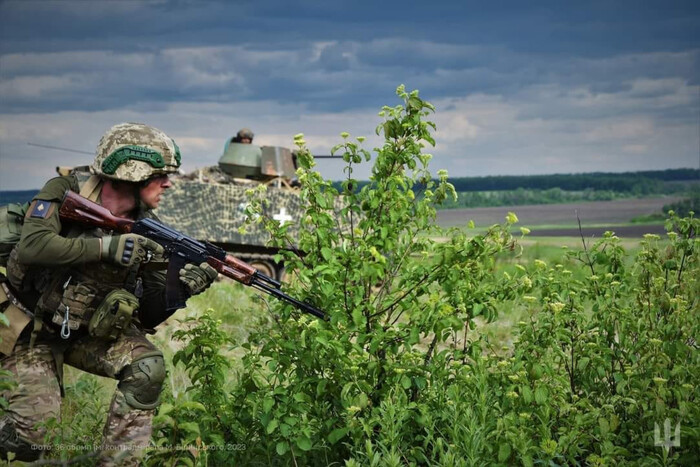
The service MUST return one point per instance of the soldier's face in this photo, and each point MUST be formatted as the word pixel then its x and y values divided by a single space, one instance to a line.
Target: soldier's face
pixel 154 187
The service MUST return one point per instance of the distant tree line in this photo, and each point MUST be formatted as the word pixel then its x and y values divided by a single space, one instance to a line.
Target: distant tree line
pixel 639 183
pixel 635 183
pixel 523 196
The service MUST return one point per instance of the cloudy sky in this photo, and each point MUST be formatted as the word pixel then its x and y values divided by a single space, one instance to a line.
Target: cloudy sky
pixel 520 87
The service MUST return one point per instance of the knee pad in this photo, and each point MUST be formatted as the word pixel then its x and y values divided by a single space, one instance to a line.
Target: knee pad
pixel 11 442
pixel 141 381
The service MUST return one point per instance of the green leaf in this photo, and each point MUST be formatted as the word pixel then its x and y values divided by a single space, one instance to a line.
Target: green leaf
pixel 165 408
pixel 272 426
pixel 583 363
pixel 321 387
pixel 337 434
pixel 614 422
pixel 216 439
pixel 190 427
pixel 166 420
pixel 541 395
pixel 304 443
pixel 327 253
pixel 504 452
pixel 361 400
pixel 282 447
pixel 415 103
pixel 321 339
pixel 193 405
pixel 357 317
pixel 285 429
pixel 267 405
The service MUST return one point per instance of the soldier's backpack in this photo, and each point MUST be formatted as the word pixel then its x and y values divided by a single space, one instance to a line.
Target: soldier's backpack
pixel 11 221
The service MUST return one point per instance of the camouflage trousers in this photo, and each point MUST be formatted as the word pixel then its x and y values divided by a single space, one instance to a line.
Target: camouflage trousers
pixel 37 395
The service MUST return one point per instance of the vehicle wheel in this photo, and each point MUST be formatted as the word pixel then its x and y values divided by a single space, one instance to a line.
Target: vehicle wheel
pixel 264 267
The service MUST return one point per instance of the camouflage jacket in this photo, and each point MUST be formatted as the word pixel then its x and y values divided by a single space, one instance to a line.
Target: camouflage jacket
pixel 53 259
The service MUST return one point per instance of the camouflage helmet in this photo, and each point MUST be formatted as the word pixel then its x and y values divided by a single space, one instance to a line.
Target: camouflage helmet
pixel 245 133
pixel 134 152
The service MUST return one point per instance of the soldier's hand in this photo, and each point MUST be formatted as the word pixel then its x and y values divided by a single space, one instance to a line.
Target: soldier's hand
pixel 128 249
pixel 197 278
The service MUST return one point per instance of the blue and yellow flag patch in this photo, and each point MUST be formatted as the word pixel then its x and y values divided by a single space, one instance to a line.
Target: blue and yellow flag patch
pixel 40 209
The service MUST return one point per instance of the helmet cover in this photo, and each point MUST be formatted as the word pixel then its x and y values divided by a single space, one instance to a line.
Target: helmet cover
pixel 134 152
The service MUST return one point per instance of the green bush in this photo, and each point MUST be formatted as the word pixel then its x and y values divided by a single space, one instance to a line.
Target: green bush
pixel 399 374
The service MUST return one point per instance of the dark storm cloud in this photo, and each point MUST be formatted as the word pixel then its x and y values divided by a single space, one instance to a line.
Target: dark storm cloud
pixel 100 55
pixel 518 84
pixel 596 28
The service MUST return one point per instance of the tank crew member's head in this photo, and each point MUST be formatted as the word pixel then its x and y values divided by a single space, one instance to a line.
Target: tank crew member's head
pixel 244 136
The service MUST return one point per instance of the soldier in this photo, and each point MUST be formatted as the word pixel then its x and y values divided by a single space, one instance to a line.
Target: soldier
pixel 92 301
pixel 244 136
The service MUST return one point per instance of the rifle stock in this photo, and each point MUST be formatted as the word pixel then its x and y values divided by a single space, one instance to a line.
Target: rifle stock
pixel 179 248
pixel 83 211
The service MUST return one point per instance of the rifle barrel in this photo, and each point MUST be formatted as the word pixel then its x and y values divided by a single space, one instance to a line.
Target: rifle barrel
pixel 310 309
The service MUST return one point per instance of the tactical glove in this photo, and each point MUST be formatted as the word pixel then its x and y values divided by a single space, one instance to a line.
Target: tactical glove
pixel 197 278
pixel 128 249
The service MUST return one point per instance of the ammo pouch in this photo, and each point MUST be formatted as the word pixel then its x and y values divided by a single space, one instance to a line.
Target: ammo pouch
pixel 113 315
pixel 75 307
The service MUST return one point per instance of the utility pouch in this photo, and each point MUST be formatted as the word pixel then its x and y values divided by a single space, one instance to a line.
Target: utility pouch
pixel 17 315
pixel 75 307
pixel 113 315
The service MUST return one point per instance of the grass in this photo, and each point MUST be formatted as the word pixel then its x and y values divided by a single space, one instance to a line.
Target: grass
pixel 481 229
pixel 650 219
pixel 228 301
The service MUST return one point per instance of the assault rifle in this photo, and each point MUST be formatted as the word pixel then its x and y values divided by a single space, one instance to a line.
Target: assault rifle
pixel 179 250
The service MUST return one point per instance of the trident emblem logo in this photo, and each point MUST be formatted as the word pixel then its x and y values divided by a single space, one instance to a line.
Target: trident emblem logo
pixel 667 442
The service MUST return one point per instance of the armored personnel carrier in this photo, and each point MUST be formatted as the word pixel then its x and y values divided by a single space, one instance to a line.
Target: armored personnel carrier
pixel 209 203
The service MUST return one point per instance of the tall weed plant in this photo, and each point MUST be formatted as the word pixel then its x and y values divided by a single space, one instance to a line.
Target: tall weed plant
pixel 399 373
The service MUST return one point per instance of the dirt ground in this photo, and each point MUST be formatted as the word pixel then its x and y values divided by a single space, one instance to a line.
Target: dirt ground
pixel 595 217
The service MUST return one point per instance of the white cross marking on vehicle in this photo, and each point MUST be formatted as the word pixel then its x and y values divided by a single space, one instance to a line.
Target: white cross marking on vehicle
pixel 282 216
